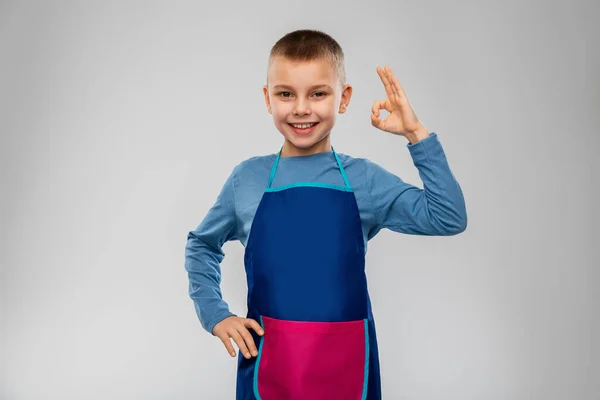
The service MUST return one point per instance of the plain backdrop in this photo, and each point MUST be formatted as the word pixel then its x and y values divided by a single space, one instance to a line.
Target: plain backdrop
pixel 120 122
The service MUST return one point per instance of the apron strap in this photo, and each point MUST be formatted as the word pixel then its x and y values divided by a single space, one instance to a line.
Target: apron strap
pixel 274 168
pixel 337 159
pixel 342 170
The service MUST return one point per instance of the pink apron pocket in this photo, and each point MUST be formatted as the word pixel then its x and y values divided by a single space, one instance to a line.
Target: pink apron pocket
pixel 300 360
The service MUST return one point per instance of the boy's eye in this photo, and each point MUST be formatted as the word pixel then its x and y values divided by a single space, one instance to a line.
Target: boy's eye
pixel 288 93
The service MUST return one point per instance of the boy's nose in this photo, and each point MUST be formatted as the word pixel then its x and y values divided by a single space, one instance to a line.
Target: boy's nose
pixel 301 109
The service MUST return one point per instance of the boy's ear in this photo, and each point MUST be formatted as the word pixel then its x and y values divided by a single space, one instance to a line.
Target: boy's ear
pixel 345 100
pixel 267 99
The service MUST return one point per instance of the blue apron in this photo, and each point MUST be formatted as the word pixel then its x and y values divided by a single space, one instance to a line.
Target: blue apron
pixel 305 270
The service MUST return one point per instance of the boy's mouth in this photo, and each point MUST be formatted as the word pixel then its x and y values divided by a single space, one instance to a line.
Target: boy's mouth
pixel 304 129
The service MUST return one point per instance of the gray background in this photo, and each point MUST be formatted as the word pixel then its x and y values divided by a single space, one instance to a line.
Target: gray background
pixel 120 122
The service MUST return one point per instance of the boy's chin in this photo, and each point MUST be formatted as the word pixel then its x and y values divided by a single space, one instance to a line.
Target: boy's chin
pixel 304 142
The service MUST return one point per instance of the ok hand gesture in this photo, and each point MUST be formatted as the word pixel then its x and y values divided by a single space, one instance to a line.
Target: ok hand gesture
pixel 402 119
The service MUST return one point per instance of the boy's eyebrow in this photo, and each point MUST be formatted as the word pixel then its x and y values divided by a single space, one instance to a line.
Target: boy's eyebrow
pixel 311 88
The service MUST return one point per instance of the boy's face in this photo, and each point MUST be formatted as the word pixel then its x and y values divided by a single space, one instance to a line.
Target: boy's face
pixel 305 92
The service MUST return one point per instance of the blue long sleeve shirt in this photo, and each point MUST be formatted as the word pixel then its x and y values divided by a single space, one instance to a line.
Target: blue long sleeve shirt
pixel 384 201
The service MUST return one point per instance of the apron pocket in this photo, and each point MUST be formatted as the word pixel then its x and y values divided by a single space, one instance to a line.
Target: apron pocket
pixel 312 360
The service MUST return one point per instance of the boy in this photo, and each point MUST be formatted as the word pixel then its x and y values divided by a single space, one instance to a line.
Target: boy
pixel 304 216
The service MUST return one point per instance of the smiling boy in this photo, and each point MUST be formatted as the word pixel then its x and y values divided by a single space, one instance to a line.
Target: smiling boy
pixel 304 216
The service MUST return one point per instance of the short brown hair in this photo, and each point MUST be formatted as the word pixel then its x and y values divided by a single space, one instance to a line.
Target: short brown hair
pixel 309 45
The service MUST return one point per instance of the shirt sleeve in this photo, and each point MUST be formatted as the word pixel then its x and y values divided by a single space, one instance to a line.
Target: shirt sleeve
pixel 437 209
pixel 203 256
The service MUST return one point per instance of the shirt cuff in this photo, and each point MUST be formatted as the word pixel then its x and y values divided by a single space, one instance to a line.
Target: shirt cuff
pixel 429 145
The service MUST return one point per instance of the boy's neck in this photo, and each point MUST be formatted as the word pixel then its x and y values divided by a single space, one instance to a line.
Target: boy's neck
pixel 290 150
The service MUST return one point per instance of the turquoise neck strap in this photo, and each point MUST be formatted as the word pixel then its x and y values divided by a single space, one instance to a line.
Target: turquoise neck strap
pixel 337 159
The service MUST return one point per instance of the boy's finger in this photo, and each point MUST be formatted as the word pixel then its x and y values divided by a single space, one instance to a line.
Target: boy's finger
pixel 249 340
pixel 399 89
pixel 376 122
pixel 250 323
pixel 386 82
pixel 227 342
pixel 378 105
pixel 237 338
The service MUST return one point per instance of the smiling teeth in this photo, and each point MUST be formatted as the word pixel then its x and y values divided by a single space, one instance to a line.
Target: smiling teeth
pixel 302 126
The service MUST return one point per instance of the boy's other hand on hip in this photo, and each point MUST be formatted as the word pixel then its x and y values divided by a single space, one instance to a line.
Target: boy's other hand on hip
pixel 236 328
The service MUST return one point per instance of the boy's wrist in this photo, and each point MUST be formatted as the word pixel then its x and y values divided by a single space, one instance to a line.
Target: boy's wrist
pixel 220 317
pixel 417 136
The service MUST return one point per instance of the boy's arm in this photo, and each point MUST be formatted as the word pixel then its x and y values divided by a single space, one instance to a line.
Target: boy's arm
pixel 203 256
pixel 438 209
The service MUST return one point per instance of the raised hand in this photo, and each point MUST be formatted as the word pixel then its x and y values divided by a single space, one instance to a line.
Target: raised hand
pixel 402 119
pixel 236 328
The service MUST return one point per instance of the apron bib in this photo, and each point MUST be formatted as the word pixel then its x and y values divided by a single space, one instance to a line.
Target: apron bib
pixel 305 269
